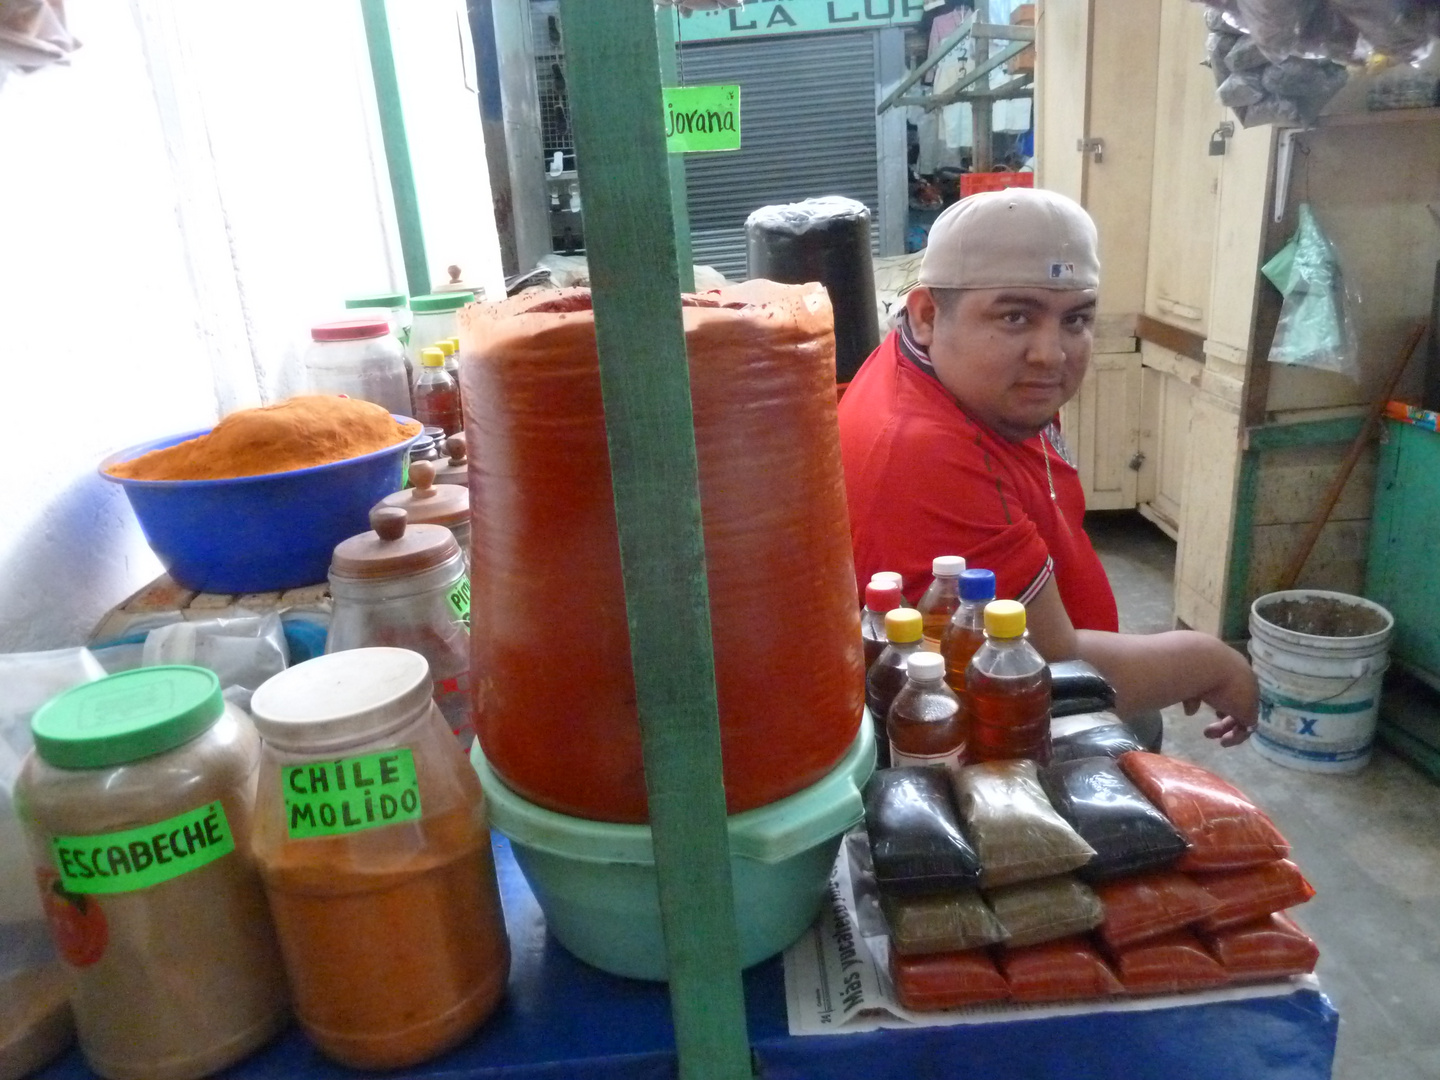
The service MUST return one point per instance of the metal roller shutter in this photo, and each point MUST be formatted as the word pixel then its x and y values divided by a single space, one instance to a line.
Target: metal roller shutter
pixel 807 123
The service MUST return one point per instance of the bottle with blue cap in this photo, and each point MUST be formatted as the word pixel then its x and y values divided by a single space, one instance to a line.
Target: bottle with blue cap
pixel 966 633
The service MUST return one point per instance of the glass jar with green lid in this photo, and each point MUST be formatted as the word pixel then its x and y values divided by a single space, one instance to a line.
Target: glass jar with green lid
pixel 437 317
pixel 137 802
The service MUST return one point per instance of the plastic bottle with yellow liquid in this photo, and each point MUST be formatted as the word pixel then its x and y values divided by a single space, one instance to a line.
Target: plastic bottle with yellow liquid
pixel 1008 689
pixel 926 723
pixel 966 633
pixel 941 598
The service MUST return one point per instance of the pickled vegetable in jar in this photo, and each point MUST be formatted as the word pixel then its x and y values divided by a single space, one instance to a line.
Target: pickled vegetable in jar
pixel 137 801
pixel 405 586
pixel 372 838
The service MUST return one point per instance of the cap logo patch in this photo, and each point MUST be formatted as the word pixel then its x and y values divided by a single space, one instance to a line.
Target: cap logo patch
pixel 1059 271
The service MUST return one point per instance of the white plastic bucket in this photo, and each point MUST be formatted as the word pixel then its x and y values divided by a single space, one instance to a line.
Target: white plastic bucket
pixel 1319 692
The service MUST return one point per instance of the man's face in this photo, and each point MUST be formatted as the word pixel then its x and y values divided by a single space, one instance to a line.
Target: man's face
pixel 1011 357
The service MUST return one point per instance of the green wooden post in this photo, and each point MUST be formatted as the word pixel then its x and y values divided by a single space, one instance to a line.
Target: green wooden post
pixel 615 95
pixel 397 146
pixel 667 35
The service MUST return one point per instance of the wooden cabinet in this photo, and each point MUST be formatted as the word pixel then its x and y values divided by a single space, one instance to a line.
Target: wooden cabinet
pixel 1167 387
pixel 1102 426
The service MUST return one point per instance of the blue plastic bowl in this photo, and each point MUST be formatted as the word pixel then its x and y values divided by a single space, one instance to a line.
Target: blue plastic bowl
pixel 257 533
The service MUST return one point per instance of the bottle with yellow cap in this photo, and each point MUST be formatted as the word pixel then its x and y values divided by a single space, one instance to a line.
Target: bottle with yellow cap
pixel 886 676
pixel 1008 690
pixel 436 394
pixel 452 365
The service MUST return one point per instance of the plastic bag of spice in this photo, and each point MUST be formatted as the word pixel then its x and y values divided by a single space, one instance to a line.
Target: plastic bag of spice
pixel 1269 948
pixel 1127 832
pixel 1097 734
pixel 916 843
pixel 1037 911
pixel 1225 830
pixel 1018 834
pixel 1149 905
pixel 1077 687
pixel 1064 970
pixel 1170 964
pixel 1246 895
pixel 946 980
pixel 950 922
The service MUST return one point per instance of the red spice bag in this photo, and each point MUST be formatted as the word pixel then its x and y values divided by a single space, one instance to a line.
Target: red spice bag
pixel 1246 895
pixel 946 980
pixel 1170 964
pixel 1149 905
pixel 545 556
pixel 1225 830
pixel 1270 948
pixel 1063 970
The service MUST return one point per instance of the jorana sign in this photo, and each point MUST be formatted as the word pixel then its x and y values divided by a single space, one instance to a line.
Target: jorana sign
pixel 702 118
pixel 759 18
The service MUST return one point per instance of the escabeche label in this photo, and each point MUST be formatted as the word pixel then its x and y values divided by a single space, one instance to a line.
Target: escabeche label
pixel 141 858
pixel 328 798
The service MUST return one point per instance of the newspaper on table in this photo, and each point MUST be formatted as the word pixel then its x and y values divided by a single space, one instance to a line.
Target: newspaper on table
pixel 837 975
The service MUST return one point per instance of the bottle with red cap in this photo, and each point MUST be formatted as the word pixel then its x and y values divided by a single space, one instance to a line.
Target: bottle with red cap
pixel 890 577
pixel 926 725
pixel 941 598
pixel 359 358
pixel 880 597
pixel 1008 690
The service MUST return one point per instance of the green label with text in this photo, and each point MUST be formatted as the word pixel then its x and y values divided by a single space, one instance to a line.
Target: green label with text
pixel 141 858
pixel 702 118
pixel 459 599
pixel 327 798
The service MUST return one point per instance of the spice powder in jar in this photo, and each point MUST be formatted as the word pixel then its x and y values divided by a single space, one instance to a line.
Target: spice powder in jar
pixel 372 839
pixel 137 801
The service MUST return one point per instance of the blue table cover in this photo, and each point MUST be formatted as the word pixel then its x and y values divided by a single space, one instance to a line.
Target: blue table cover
pixel 564 1020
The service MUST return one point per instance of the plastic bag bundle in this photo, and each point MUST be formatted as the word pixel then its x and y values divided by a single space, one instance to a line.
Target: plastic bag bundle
pixel 1037 911
pixel 916 842
pixel 1018 834
pixel 1065 970
pixel 1105 736
pixel 1128 834
pixel 242 651
pixel 1077 687
pixel 1149 905
pixel 946 980
pixel 1316 328
pixel 1270 948
pixel 1347 31
pixel 1243 896
pixel 1225 830
pixel 545 558
pixel 951 922
pixel 1171 964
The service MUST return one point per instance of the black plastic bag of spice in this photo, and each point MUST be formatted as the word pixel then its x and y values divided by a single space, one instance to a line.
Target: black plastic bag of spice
pixel 916 842
pixel 1109 736
pixel 1128 834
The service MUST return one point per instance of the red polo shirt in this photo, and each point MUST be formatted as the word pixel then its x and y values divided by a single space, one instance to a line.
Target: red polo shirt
pixel 923 479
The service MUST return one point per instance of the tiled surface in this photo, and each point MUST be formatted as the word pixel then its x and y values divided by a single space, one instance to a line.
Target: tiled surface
pixel 1370 844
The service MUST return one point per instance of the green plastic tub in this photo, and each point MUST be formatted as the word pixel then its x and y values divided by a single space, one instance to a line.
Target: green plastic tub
pixel 596 884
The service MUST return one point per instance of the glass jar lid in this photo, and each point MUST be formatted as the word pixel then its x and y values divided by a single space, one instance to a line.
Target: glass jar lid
pixel 128 716
pixel 393 547
pixel 449 301
pixel 429 503
pixel 378 300
pixel 349 330
pixel 457 469
pixel 341 697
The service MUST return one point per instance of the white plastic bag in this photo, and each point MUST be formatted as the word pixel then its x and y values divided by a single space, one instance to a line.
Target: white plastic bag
pixel 243 651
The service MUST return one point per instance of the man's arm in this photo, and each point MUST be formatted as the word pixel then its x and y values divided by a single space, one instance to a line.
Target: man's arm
pixel 1151 671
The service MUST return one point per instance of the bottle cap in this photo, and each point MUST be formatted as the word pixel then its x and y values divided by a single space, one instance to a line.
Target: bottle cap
pixel 947 566
pixel 455 343
pixel 432 357
pixel 888 577
pixel 445 345
pixel 1005 618
pixel 427 503
pixel 340 697
pixel 350 330
pixel 977 585
pixel 440 301
pixel 880 598
pixel 903 625
pixel 128 716
pixel 393 547
pixel 925 666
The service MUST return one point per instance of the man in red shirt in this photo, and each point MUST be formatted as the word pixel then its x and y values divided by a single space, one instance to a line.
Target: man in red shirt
pixel 951 446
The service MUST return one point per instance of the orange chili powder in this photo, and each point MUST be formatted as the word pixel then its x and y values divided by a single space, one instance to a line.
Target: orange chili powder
pixel 295 434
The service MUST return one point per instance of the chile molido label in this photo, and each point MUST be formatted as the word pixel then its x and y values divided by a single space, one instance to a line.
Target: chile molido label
pixel 141 858
pixel 327 798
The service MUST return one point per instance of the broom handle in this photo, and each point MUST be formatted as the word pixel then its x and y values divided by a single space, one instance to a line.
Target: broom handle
pixel 1337 485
